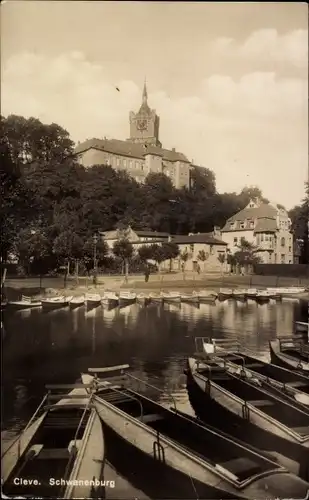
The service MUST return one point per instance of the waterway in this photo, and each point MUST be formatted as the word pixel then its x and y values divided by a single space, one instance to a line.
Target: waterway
pixel 56 346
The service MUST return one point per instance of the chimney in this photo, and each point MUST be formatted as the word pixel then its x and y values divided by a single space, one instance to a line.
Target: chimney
pixel 173 149
pixel 217 232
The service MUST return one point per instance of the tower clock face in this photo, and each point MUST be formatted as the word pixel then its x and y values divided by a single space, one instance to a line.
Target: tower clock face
pixel 142 124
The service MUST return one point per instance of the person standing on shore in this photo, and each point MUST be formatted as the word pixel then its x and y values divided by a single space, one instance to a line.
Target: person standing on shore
pixel 147 273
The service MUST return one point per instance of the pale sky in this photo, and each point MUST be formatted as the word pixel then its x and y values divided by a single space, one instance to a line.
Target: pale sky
pixel 228 80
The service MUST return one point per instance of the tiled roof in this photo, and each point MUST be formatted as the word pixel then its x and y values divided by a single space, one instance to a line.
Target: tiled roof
pixel 151 234
pixel 128 148
pixel 264 225
pixel 198 238
pixel 247 215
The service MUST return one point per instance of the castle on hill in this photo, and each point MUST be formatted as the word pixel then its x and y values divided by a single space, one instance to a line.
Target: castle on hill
pixel 141 154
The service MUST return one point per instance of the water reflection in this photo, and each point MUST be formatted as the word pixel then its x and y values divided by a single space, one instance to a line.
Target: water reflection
pixel 55 346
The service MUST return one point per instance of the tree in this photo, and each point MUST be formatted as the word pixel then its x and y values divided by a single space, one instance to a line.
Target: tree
pixel 203 181
pixel 246 255
pixel 157 253
pixel 299 216
pixel 252 193
pixel 170 251
pixel 124 250
pixel 30 140
pixel 184 256
pixel 221 259
pixel 202 256
pixel 68 246
pixel 30 245
pixel 145 253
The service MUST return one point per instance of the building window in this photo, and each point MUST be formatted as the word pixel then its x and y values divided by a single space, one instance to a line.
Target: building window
pixel 242 239
pixel 136 164
pixel 211 248
pixel 283 242
pixel 191 248
pixel 117 162
pixel 290 249
pixel 130 163
pixel 124 163
pixel 282 258
pixel 235 241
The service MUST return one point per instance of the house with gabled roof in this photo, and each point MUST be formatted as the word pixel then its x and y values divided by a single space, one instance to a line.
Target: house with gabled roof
pixel 137 237
pixel 267 227
pixel 139 155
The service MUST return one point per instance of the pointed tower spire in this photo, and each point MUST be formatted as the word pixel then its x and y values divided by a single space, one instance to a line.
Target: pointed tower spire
pixel 145 94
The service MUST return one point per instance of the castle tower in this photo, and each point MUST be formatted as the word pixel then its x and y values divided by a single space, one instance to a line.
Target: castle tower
pixel 144 125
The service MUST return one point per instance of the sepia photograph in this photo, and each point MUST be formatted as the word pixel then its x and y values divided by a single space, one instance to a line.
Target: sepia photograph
pixel 154 173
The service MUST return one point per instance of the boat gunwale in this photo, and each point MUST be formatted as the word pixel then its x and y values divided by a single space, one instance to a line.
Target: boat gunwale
pixel 299 364
pixel 299 439
pixel 190 453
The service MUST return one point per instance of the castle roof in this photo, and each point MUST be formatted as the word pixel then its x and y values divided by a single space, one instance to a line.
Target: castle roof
pixel 130 149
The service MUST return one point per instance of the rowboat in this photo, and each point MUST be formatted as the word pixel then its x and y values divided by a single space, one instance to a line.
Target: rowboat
pixel 206 296
pixel 25 303
pixel 225 293
pixel 251 293
pixel 239 294
pixel 156 298
pixel 234 351
pixel 293 290
pixel 235 364
pixel 227 398
pixel 291 353
pixel 60 452
pixel 199 457
pixel 190 298
pixel 59 301
pixel 126 298
pixel 263 296
pixel 77 301
pixel 110 299
pixel 302 326
pixel 171 296
pixel 92 299
pixel 142 299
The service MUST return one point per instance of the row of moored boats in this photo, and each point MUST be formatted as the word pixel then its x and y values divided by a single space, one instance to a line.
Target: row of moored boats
pixel 128 297
pixel 249 439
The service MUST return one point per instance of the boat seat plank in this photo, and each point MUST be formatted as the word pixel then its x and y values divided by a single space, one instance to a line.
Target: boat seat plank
pixel 298 383
pixel 302 430
pixel 260 402
pixel 54 454
pixel 67 386
pixel 52 397
pixel 153 417
pixel 108 369
pixel 239 465
pixel 69 406
pixel 251 366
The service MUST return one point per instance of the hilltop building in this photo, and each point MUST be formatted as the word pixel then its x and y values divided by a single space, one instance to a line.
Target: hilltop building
pixel 141 154
pixel 267 227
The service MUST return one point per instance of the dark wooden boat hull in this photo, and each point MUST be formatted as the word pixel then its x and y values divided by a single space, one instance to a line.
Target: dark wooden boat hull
pixel 211 412
pixel 279 359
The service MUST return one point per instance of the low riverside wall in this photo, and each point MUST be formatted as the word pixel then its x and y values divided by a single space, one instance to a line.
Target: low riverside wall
pixel 283 270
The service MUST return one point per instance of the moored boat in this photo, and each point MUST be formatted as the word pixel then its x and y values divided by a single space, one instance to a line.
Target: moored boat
pixel 126 297
pixel 110 299
pixel 239 294
pixel 58 301
pixel 190 298
pixel 156 298
pixel 213 464
pixel 225 293
pixel 207 296
pixel 260 415
pixel 302 326
pixel 233 351
pixel 60 452
pixel 263 296
pixel 93 299
pixel 26 302
pixel 291 353
pixel 77 301
pixel 171 297
pixel 251 293
pixel 142 299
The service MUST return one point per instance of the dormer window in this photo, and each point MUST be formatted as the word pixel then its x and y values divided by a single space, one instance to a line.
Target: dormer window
pixel 232 225
pixel 242 225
